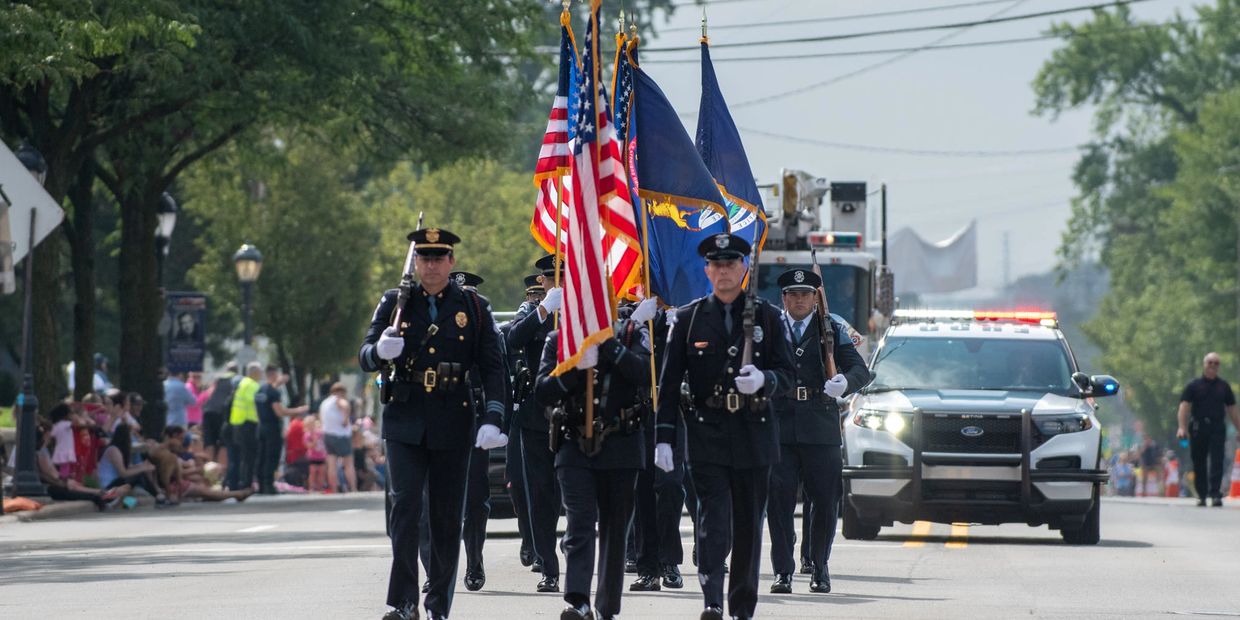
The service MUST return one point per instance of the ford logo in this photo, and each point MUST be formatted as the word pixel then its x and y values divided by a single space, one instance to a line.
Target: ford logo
pixel 972 431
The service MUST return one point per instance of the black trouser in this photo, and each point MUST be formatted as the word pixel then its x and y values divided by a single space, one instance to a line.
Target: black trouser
pixel 270 444
pixel 514 467
pixel 807 526
pixel 603 497
pixel 443 472
pixel 659 499
pixel 542 498
pixel 142 481
pixel 64 493
pixel 477 511
pixel 817 467
pixel 1206 449
pixel 242 455
pixel 730 505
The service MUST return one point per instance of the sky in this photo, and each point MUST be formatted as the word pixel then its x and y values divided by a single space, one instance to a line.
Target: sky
pixel 976 99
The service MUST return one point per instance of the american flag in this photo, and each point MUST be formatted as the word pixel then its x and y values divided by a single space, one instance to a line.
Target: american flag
pixel 553 178
pixel 600 226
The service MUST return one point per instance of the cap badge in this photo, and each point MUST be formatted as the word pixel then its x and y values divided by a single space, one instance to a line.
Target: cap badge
pixel 721 241
pixel 799 276
pixel 460 279
pixel 432 235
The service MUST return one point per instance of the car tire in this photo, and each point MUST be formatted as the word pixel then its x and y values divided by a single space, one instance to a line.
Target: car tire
pixel 1090 530
pixel 854 528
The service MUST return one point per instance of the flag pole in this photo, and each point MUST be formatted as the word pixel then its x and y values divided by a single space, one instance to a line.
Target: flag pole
pixel 559 193
pixel 654 379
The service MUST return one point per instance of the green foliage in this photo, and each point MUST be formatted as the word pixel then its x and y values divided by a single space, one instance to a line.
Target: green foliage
pixel 488 206
pixel 1157 202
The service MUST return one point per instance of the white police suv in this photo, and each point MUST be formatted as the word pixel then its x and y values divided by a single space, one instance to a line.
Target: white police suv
pixel 975 417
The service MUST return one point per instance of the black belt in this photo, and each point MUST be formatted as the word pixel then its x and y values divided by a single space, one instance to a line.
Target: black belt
pixel 733 401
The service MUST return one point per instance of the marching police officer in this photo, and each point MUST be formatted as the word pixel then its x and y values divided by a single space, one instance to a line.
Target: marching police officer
pixel 526 337
pixel 513 463
pixel 596 473
pixel 659 498
pixel 732 434
pixel 428 426
pixel 809 433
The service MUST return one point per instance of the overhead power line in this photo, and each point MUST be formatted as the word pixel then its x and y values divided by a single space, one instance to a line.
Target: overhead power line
pixel 914 152
pixel 892 31
pixel 843 18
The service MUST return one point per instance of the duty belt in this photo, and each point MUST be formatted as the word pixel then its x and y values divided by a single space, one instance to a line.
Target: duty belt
pixel 447 377
pixel 733 402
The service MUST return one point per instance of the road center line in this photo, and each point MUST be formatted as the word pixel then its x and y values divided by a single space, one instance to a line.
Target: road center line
pixel 960 536
pixel 921 529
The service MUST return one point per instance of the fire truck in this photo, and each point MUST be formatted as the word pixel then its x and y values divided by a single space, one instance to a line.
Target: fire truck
pixel 806 212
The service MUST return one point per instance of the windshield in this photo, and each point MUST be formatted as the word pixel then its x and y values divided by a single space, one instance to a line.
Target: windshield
pixel 847 289
pixel 914 363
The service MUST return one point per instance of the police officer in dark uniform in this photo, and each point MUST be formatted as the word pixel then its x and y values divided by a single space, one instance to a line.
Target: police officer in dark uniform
pixel 596 474
pixel 514 465
pixel 809 433
pixel 428 424
pixel 733 437
pixel 659 496
pixel 526 337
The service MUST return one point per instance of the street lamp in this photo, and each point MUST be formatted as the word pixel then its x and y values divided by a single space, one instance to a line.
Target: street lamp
pixel 25 477
pixel 249 263
pixel 167 221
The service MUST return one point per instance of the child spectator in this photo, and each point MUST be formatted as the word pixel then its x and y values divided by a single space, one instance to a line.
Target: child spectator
pixel 316 455
pixel 64 456
pixel 70 489
pixel 296 467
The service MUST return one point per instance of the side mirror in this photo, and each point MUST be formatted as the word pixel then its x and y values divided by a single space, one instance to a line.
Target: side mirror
pixel 1081 380
pixel 1096 386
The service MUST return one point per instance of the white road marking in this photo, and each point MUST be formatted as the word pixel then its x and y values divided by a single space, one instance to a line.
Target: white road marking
pixel 349 511
pixel 257 528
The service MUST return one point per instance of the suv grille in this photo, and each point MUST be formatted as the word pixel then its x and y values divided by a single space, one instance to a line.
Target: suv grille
pixel 942 433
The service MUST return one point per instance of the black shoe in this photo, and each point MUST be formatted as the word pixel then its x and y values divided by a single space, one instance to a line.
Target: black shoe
pixel 630 567
pixel 582 612
pixel 527 556
pixel 536 566
pixel 1201 502
pixel 672 578
pixel 475 579
pixel 711 613
pixel 782 584
pixel 549 584
pixel 807 567
pixel 1217 502
pixel 821 581
pixel 408 612
pixel 645 583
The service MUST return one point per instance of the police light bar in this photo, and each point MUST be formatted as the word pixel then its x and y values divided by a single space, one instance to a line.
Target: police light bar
pixel 1038 317
pixel 835 239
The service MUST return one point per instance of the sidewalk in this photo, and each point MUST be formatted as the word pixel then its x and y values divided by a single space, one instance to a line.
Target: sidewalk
pixel 1166 501
pixel 61 510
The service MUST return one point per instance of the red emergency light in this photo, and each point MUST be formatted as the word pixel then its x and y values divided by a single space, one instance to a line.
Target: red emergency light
pixel 834 239
pixel 1023 316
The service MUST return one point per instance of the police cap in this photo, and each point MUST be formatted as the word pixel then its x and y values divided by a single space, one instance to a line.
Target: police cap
pixel 799 280
pixel 433 241
pixel 723 246
pixel 464 278
pixel 546 264
pixel 533 284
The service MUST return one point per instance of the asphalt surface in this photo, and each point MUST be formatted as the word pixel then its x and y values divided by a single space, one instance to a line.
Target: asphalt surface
pixel 327 557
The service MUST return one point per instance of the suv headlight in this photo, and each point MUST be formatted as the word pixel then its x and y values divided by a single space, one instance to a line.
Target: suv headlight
pixel 1053 425
pixel 893 422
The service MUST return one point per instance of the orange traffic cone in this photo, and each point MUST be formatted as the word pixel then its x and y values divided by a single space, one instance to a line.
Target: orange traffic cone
pixel 1235 476
pixel 1171 472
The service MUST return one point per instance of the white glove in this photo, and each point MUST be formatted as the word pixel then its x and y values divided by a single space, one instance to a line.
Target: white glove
pixel 750 380
pixel 490 437
pixel 589 357
pixel 390 344
pixel 553 300
pixel 645 310
pixel 835 386
pixel 663 456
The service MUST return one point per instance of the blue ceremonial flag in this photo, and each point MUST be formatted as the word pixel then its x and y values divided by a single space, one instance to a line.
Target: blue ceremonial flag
pixel 678 195
pixel 719 144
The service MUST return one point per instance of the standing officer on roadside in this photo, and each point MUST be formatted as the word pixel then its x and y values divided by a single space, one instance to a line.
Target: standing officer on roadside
pixel 733 437
pixel 526 337
pixel 1205 405
pixel 809 433
pixel 596 474
pixel 428 426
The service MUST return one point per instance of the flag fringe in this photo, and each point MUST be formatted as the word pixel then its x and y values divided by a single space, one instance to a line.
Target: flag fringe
pixel 591 340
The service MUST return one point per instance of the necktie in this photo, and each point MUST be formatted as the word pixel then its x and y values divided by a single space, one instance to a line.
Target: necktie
pixel 432 307
pixel 797 331
pixel 727 318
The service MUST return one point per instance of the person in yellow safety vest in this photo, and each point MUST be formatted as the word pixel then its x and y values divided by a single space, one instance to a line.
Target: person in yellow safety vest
pixel 243 423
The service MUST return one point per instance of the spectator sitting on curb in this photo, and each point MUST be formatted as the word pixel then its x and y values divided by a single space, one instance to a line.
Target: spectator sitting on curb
pixel 167 458
pixel 70 489
pixel 116 468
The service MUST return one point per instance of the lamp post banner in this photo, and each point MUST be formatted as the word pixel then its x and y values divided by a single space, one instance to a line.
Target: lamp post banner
pixel 187 338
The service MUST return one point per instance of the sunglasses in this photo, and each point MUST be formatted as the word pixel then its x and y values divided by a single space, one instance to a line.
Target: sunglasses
pixel 1212 363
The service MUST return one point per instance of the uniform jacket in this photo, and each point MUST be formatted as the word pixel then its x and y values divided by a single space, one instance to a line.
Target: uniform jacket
pixel 817 420
pixel 628 379
pixel 698 349
pixel 440 420
pixel 525 339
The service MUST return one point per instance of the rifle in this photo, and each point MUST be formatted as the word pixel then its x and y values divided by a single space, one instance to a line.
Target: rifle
pixel 824 322
pixel 749 314
pixel 388 369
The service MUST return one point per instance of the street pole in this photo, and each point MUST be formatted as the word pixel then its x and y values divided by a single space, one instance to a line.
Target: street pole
pixel 25 477
pixel 247 311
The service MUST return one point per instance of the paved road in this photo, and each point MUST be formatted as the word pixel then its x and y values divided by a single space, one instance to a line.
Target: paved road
pixel 288 557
